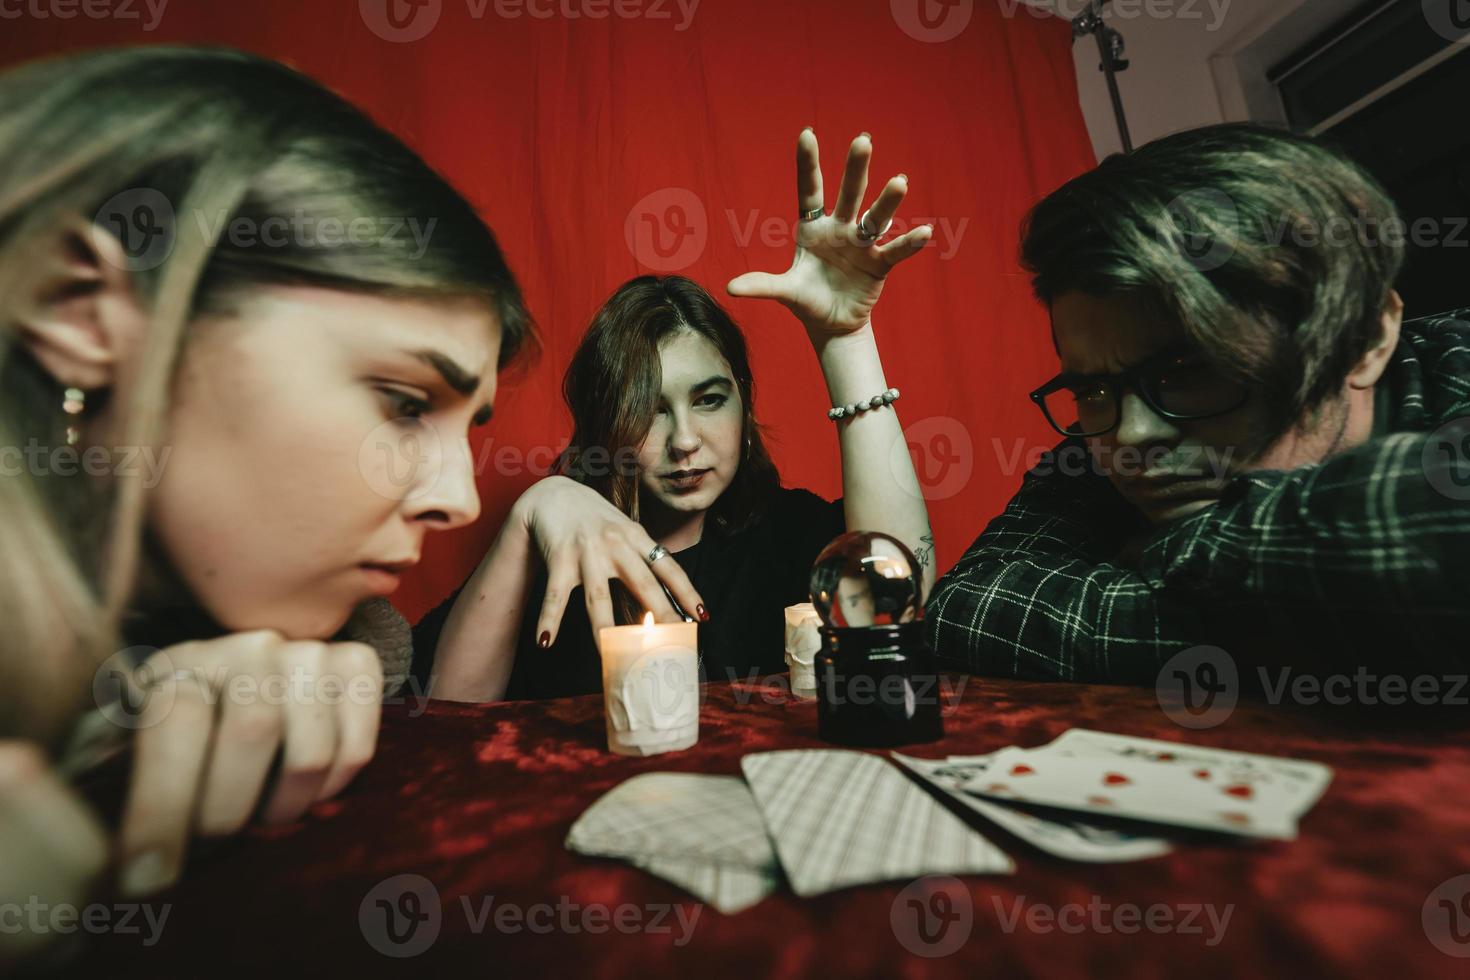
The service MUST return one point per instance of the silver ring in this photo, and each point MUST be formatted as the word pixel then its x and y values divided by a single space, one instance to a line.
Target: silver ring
pixel 813 214
pixel 868 236
pixel 659 551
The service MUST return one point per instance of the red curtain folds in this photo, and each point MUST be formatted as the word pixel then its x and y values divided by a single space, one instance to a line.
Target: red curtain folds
pixel 604 139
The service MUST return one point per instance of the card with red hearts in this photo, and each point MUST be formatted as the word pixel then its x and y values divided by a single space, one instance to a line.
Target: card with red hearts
pixel 1072 839
pixel 1136 789
pixel 1303 782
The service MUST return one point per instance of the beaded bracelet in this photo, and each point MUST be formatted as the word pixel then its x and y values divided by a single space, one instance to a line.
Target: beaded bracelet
pixel 857 408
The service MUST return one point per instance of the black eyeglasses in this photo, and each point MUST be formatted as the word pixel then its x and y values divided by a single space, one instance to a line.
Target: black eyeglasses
pixel 1175 385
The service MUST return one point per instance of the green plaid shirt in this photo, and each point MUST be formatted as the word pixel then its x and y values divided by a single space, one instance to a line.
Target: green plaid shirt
pixel 1363 559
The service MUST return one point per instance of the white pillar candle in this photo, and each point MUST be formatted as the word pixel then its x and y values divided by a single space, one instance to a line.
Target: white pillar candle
pixel 802 643
pixel 650 685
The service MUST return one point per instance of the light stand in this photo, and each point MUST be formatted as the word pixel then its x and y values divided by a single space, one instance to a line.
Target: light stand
pixel 1110 48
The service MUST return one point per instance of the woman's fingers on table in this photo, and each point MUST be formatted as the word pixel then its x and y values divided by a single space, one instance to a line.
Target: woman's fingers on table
pixel 44 826
pixel 218 715
pixel 359 717
pixel 809 195
pixel 170 750
pixel 246 742
pixel 309 734
pixel 854 180
pixel 51 845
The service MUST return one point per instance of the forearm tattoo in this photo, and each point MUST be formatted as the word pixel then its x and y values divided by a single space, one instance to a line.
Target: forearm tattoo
pixel 925 552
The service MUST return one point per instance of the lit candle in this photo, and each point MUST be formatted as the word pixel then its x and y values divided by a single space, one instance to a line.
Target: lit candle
pixel 802 643
pixel 650 685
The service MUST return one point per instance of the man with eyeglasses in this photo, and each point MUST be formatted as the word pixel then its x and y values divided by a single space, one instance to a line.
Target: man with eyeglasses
pixel 1259 454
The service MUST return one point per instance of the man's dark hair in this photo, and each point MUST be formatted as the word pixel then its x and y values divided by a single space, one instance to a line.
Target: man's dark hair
pixel 1273 251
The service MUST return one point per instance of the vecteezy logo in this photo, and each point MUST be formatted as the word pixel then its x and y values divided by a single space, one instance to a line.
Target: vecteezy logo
pixel 129 683
pixel 667 681
pixel 142 221
pixel 942 455
pixel 402 459
pixel 668 229
pixel 1202 226
pixel 933 916
pixel 1447 459
pixel 932 21
pixel 1449 18
pixel 1446 917
pixel 401 916
pixel 400 21
pixel 1198 687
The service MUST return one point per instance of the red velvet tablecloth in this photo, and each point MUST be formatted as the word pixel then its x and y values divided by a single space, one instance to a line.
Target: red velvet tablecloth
pixel 478 800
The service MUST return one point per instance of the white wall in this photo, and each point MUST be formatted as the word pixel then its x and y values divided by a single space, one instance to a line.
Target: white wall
pixel 1194 62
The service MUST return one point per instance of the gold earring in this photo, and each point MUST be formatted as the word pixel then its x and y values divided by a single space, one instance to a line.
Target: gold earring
pixel 73 404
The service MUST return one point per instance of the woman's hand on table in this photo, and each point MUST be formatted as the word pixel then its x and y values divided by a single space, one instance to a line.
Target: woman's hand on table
pixel 584 540
pixel 216 716
pixel 839 269
pixel 52 849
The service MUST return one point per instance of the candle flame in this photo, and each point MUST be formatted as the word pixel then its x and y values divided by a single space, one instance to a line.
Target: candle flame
pixel 648 620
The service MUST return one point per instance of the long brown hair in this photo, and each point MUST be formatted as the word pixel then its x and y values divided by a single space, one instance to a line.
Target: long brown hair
pixel 220 136
pixel 612 389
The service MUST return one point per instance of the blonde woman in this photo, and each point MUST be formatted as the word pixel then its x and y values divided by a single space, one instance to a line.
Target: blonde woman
pixel 223 291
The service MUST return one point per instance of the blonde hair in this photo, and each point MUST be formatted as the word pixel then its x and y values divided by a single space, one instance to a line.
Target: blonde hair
pixel 219 135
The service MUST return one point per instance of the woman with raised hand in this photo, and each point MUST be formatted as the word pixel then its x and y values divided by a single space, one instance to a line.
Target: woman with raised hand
pixel 228 297
pixel 663 405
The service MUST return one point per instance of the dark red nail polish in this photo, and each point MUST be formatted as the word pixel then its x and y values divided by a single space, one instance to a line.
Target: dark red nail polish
pixel 702 613
pixel 544 641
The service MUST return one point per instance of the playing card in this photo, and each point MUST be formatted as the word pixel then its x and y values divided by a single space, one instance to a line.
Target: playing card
pixel 1137 789
pixel 1302 782
pixel 727 888
pixel 840 818
pixel 702 833
pixel 676 815
pixel 1074 840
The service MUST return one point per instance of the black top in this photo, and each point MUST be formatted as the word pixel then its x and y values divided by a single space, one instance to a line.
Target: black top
pixel 746 579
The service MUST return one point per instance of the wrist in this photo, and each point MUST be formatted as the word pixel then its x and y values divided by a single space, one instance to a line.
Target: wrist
pixel 522 517
pixel 824 341
pixel 851 366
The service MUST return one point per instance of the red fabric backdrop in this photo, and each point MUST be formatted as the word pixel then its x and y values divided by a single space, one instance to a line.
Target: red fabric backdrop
pixel 582 136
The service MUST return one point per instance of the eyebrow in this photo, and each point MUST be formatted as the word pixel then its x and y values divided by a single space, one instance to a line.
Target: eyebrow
pixel 710 382
pixel 1158 356
pixel 462 380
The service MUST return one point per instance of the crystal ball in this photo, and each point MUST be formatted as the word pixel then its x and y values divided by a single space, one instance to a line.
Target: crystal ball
pixel 866 578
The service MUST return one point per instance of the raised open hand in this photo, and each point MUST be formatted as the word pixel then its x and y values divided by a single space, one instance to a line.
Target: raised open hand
pixel 838 272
